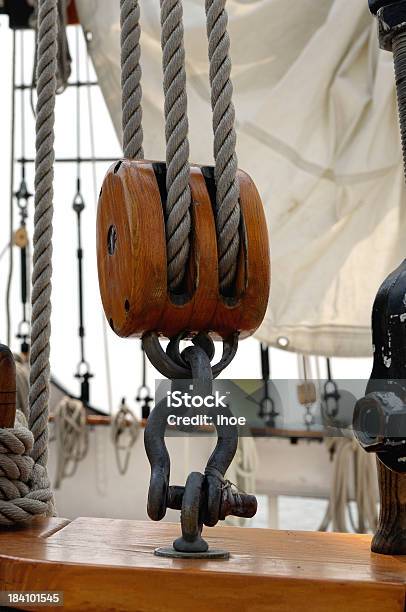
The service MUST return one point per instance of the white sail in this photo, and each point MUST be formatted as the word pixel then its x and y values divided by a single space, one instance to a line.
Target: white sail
pixel 318 132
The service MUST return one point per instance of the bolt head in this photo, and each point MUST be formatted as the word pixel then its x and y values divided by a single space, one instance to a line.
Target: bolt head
pixel 375 5
pixel 391 21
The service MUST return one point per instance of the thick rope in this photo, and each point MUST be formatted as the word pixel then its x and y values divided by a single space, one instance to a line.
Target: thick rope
pixel 71 437
pixel 178 220
pixel 19 501
pixel 42 255
pixel 226 164
pixel 64 59
pixel 131 79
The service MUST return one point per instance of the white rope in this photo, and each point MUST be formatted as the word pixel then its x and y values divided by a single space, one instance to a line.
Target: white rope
pixel 20 501
pixel 242 471
pixel 131 79
pixel 71 437
pixel 125 429
pixel 352 466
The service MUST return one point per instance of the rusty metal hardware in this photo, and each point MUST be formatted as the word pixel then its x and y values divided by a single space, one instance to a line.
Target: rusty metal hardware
pixel 206 498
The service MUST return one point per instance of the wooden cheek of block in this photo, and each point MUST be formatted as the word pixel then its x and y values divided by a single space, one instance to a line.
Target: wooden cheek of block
pixel 306 393
pixel 132 262
pixel 7 387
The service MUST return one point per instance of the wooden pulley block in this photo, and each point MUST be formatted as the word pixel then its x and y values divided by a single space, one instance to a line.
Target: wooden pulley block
pixel 73 18
pixel 306 393
pixel 132 262
pixel 8 393
pixel 21 237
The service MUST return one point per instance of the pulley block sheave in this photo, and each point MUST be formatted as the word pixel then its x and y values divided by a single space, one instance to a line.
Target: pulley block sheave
pixel 132 257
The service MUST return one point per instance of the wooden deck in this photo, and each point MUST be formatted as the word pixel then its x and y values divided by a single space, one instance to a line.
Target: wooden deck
pixel 106 565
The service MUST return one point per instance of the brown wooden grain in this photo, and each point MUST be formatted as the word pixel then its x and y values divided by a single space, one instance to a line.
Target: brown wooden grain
pixel 390 538
pixel 73 18
pixel 202 275
pixel 106 565
pixel 253 282
pixel 7 387
pixel 136 275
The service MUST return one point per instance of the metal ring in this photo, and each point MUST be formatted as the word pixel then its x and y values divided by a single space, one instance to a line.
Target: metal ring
pixel 169 365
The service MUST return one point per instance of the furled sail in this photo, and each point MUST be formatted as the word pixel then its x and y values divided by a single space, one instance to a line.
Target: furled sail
pixel 317 130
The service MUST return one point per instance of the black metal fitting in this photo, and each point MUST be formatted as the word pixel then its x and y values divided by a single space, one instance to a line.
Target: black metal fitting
pixel 380 427
pixel 379 420
pixel 375 5
pixel 19 12
pixel 206 498
pixel 391 16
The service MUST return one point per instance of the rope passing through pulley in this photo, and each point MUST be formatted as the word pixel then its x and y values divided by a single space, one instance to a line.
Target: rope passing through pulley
pixel 182 253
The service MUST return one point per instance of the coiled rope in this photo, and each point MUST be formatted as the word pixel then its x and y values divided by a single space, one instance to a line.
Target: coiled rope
pixel 25 489
pixel 125 429
pixel 71 436
pixel 351 459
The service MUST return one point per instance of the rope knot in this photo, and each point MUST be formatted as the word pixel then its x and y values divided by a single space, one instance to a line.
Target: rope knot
pixel 24 486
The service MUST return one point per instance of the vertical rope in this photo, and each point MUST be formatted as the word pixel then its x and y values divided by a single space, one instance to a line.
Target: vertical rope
pixel 178 221
pixel 11 200
pixel 226 164
pixel 399 58
pixel 42 256
pixel 131 79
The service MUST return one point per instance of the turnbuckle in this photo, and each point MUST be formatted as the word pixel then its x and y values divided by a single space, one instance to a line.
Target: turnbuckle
pixel 206 498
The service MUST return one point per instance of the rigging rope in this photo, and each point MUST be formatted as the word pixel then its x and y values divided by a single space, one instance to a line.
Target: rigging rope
pixel 349 458
pixel 125 429
pixel 11 201
pixel 109 384
pixel 242 471
pixel 178 201
pixel 42 255
pixel 131 79
pixel 63 55
pixel 226 164
pixel 83 372
pixel 71 436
